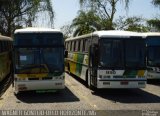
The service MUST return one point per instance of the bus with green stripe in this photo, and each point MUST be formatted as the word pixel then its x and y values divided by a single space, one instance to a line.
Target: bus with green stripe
pixel 108 59
pixel 153 54
pixel 5 57
pixel 38 59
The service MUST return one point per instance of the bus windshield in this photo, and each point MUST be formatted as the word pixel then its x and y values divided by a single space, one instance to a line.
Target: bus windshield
pixel 153 48
pixel 121 53
pixel 39 53
pixel 111 53
pixel 154 56
pixel 36 60
pixel 135 53
pixel 38 39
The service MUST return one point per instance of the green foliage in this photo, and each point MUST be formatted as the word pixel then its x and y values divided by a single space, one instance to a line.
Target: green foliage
pixel 85 22
pixel 131 24
pixel 156 2
pixel 103 9
pixel 67 31
pixel 18 13
pixel 154 23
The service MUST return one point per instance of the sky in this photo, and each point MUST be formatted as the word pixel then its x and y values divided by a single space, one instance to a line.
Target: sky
pixel 67 10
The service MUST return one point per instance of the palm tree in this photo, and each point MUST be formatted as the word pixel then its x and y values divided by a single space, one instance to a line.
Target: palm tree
pixel 155 23
pixel 105 9
pixel 85 23
pixel 16 13
pixel 82 2
pixel 156 2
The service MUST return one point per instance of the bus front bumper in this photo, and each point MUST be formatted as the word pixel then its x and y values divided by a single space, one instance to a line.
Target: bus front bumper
pixel 153 75
pixel 39 85
pixel 121 83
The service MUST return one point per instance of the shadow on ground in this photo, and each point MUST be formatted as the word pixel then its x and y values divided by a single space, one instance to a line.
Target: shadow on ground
pixel 5 84
pixel 124 95
pixel 47 97
pixel 127 95
pixel 154 81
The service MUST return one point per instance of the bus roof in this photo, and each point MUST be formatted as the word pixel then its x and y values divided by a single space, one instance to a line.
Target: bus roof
pixel 37 30
pixel 5 38
pixel 151 34
pixel 109 33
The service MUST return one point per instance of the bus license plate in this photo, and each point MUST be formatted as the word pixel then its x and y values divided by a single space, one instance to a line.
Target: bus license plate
pixel 124 82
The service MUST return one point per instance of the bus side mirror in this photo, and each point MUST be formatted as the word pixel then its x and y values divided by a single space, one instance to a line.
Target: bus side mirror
pixel 66 54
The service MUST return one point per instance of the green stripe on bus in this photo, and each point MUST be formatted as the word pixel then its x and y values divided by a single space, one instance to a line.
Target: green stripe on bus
pixel 80 58
pixel 130 73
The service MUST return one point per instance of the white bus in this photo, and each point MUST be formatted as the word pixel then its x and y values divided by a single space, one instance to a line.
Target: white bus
pixel 108 59
pixel 38 59
pixel 153 55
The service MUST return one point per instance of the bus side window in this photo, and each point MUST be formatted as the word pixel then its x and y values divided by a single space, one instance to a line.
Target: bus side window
pixel 81 45
pixel 72 46
pixel 66 45
pixel 84 44
pixel 10 47
pixel 77 47
pixel 3 46
pixel 69 46
pixel 7 45
pixel 0 46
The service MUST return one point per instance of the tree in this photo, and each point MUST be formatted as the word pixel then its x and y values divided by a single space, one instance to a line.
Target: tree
pixel 85 22
pixel 154 24
pixel 105 9
pixel 131 24
pixel 67 31
pixel 156 2
pixel 16 13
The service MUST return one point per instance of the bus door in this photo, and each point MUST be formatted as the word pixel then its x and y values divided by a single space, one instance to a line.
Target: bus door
pixel 93 64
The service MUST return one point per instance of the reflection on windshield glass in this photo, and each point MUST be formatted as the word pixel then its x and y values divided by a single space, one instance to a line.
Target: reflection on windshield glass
pixel 122 53
pixel 154 56
pixel 111 53
pixel 37 60
pixel 135 53
pixel 35 39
